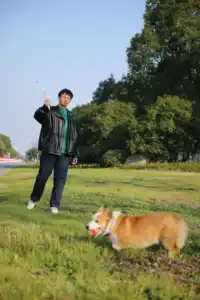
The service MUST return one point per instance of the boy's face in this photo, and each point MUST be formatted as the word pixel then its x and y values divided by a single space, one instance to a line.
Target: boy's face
pixel 64 100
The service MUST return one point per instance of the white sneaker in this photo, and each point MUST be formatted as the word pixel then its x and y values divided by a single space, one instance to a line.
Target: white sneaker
pixel 31 204
pixel 54 210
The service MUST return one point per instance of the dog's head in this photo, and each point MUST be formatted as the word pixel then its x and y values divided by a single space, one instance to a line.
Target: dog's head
pixel 99 222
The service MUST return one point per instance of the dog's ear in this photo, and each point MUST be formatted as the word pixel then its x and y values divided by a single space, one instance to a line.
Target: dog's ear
pixel 109 213
pixel 100 210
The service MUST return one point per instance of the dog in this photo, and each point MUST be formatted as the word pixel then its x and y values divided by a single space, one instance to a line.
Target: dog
pixel 140 231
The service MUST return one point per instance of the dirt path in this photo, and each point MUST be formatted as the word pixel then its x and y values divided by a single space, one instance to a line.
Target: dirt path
pixel 5 167
pixel 3 171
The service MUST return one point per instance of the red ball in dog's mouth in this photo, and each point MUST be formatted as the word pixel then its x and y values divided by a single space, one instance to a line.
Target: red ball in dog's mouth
pixel 93 232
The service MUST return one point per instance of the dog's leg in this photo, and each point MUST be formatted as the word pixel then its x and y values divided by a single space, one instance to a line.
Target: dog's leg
pixel 173 254
pixel 116 247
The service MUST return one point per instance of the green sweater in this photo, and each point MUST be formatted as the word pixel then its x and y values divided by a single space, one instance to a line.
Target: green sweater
pixel 63 112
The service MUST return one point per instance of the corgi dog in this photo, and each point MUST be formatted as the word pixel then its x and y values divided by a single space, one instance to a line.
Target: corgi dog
pixel 140 231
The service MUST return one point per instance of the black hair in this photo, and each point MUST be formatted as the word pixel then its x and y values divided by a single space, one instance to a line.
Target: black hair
pixel 65 91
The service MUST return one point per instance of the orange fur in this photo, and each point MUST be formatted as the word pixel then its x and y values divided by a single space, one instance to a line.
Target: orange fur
pixel 144 231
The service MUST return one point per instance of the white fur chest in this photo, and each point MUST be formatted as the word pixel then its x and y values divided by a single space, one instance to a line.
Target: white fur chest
pixel 113 238
pixel 112 223
pixel 111 226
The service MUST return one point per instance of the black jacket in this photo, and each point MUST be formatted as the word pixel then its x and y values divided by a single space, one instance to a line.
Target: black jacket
pixel 51 134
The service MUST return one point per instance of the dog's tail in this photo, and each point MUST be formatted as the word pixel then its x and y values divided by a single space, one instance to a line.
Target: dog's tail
pixel 183 234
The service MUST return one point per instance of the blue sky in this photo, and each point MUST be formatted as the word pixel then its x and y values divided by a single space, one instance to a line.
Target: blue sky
pixel 73 44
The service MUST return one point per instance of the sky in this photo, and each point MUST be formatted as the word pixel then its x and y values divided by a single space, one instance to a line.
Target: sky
pixel 62 44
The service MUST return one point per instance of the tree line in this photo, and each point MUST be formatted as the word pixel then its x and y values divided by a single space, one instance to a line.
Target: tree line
pixel 6 147
pixel 154 109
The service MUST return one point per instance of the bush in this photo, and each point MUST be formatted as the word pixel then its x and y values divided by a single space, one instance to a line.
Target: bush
pixel 113 158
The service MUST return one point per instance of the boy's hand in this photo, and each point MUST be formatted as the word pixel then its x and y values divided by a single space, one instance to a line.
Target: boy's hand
pixel 47 103
pixel 74 161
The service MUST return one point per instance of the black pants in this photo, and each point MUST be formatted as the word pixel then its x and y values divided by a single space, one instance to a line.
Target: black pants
pixel 48 163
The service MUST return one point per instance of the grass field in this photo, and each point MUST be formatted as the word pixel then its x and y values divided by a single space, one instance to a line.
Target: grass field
pixel 43 256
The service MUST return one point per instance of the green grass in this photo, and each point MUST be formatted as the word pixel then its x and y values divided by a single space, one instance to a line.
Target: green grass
pixel 43 256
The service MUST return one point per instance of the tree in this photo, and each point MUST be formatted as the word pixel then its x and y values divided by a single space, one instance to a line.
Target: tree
pixel 176 24
pixel 143 55
pixel 164 57
pixel 32 154
pixel 110 124
pixel 6 146
pixel 106 91
pixel 14 153
pixel 86 139
pixel 165 131
pixel 2 148
pixel 102 127
pixel 7 142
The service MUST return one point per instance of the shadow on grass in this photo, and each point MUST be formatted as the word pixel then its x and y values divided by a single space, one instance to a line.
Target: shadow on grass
pixel 103 242
pixel 80 208
pixel 90 207
pixel 146 184
pixel 154 261
pixel 3 198
pixel 99 242
pixel 27 166
pixel 176 208
pixel 192 248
